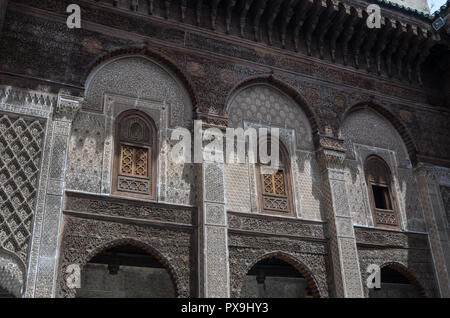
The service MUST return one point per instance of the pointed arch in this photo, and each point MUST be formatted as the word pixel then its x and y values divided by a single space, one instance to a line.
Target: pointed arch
pixel 393 119
pixel 403 270
pixel 10 283
pixel 145 247
pixel 271 80
pixel 299 266
pixel 152 55
pixel 12 273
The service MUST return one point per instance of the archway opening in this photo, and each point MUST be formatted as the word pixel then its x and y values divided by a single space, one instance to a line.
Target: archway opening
pixel 396 283
pixel 275 278
pixel 125 271
pixel 5 294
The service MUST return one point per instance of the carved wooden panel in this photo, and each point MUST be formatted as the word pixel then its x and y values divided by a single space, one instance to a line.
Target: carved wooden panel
pixel 134 161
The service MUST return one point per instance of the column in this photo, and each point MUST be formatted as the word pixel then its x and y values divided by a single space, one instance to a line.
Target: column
pixel 49 233
pixel 213 236
pixel 435 219
pixel 342 242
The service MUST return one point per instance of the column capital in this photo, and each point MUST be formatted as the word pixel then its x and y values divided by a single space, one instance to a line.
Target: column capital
pixel 213 121
pixel 67 106
pixel 432 173
pixel 331 152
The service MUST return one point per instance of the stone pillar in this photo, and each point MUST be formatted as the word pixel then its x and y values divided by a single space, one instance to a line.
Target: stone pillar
pixel 435 219
pixel 214 279
pixel 344 254
pixel 49 233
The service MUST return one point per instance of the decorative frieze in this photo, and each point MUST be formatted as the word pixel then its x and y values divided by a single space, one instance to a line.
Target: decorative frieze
pixel 389 238
pixel 97 205
pixel 27 102
pixel 270 225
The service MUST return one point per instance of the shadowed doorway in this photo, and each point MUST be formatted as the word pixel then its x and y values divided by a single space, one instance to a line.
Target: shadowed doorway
pixel 397 283
pixel 5 294
pixel 275 278
pixel 125 271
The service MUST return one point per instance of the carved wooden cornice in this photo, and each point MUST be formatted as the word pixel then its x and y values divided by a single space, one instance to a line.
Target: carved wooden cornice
pixel 328 29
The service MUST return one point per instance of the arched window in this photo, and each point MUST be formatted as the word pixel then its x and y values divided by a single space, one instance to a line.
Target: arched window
pixel 275 187
pixel 135 155
pixel 379 183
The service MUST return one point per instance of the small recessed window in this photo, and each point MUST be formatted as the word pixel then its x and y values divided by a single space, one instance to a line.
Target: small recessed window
pixel 274 187
pixel 378 178
pixel 381 197
pixel 135 155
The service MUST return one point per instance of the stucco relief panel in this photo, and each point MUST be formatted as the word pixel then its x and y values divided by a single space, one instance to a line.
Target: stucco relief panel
pixel 262 106
pixel 359 131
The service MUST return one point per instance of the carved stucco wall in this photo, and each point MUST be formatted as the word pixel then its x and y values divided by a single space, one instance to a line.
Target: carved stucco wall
pixel 367 133
pixel 94 223
pixel 130 82
pixel 265 106
pixel 84 238
pixel 252 238
pixel 411 251
pixel 25 124
pixel 21 142
pixel 141 78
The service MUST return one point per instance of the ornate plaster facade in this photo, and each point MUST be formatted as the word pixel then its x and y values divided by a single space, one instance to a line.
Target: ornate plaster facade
pixel 338 92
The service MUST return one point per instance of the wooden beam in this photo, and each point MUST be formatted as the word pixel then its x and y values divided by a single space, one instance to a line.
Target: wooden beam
pixel 3 5
pixel 287 14
pixel 229 14
pixel 274 9
pixel 300 17
pixel 326 20
pixel 338 26
pixel 260 7
pixel 243 16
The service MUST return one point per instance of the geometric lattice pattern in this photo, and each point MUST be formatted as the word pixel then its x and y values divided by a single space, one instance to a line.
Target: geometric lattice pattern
pixel 274 194
pixel 20 154
pixel 134 161
pixel 134 185
pixel 275 204
pixel 385 217
pixel 274 183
